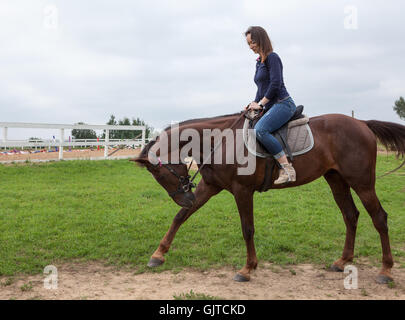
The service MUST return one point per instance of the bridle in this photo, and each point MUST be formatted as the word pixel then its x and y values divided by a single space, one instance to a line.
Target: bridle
pixel 185 184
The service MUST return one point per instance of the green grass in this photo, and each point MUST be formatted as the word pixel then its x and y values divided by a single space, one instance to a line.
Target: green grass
pixel 115 212
pixel 195 296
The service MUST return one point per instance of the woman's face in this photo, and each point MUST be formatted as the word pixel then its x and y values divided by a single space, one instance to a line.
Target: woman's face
pixel 252 45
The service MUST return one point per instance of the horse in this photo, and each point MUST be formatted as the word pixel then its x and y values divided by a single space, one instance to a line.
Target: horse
pixel 344 153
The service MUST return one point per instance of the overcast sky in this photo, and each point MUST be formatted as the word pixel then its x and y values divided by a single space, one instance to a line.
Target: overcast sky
pixel 164 61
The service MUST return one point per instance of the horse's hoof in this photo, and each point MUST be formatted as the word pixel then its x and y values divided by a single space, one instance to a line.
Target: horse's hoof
pixel 383 279
pixel 240 278
pixel 154 262
pixel 335 268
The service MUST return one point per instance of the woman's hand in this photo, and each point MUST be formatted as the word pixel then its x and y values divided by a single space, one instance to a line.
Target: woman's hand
pixel 253 106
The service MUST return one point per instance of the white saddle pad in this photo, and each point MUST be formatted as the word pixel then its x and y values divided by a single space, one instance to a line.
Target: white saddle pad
pixel 299 138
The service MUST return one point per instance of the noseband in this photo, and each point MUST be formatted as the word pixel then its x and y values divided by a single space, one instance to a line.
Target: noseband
pixel 184 185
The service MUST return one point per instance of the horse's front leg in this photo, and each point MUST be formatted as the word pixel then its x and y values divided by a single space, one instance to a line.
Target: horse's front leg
pixel 244 201
pixel 202 194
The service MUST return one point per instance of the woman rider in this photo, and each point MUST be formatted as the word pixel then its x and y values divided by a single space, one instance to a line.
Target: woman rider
pixel 272 96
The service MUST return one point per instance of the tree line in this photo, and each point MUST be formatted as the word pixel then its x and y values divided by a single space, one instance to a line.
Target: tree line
pixel 115 134
pixel 399 108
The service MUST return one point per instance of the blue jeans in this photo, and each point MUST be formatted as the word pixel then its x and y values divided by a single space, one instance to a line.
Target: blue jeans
pixel 275 118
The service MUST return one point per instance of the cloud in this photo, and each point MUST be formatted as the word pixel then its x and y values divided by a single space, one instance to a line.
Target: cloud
pixel 176 60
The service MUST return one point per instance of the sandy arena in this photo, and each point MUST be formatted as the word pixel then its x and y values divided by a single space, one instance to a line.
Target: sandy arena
pixel 95 281
pixel 79 154
pixel 75 154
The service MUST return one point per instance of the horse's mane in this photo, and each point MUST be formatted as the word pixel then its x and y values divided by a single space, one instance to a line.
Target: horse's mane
pixel 191 121
pixel 145 150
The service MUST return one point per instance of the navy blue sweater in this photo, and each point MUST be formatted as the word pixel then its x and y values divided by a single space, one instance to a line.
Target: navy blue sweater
pixel 269 80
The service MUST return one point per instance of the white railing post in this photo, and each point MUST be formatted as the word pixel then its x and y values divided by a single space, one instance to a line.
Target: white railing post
pixel 50 143
pixel 5 136
pixel 106 141
pixel 62 138
pixel 143 137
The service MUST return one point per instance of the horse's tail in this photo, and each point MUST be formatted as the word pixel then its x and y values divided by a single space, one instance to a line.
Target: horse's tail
pixel 390 134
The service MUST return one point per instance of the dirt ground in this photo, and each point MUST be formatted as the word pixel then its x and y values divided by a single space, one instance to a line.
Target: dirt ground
pixel 96 281
pixel 74 154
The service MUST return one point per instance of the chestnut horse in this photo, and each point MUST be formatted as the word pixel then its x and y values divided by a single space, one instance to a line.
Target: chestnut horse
pixel 344 153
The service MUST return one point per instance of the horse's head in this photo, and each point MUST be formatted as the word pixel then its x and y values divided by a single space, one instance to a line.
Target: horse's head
pixel 174 178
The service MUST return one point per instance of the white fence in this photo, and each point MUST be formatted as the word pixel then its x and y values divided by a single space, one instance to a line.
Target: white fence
pixel 62 142
pixel 84 143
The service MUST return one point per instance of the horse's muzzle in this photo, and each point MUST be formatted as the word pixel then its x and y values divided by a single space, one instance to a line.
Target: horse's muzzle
pixel 187 200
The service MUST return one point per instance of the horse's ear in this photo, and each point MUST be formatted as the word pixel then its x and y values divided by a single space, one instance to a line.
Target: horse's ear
pixel 141 161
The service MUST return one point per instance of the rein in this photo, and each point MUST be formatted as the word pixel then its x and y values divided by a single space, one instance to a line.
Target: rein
pixel 185 184
pixel 123 146
pixel 216 147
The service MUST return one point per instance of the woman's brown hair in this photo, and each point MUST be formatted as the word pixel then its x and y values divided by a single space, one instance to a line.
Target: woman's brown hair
pixel 260 36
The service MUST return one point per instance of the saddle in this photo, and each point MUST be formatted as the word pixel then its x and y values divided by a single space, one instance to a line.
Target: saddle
pixel 295 137
pixel 258 114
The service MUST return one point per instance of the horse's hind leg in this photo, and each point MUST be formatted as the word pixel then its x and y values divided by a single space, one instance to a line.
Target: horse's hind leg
pixel 370 201
pixel 202 194
pixel 344 200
